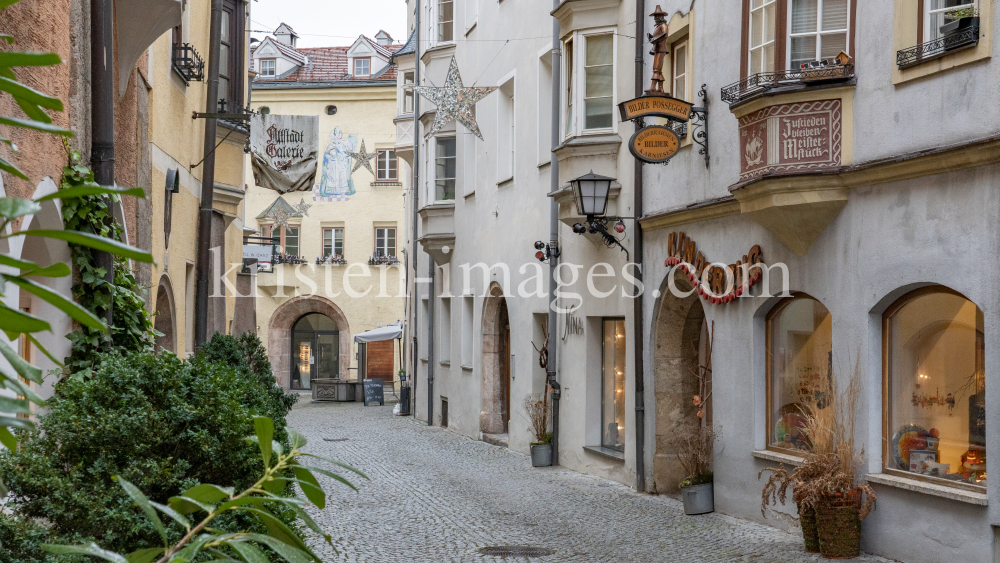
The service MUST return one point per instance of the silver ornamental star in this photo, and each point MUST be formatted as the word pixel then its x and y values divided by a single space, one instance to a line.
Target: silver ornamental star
pixel 363 158
pixel 280 218
pixel 454 101
pixel 302 208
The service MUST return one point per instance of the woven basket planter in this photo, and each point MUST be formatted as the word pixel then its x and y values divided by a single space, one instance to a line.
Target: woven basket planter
pixel 810 533
pixel 838 521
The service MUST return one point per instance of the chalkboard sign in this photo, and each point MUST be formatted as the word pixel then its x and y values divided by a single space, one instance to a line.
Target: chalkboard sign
pixel 373 392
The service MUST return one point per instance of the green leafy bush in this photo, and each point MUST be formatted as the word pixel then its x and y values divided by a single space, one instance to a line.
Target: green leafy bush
pixel 159 422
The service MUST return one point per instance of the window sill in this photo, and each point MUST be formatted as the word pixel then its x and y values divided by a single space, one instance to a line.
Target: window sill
pixel 606 452
pixel 387 184
pixel 778 457
pixel 912 485
pixel 424 360
pixel 466 368
pixel 506 183
pixel 445 363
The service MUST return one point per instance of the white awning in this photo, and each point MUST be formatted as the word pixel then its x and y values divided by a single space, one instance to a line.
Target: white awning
pixel 138 23
pixel 391 332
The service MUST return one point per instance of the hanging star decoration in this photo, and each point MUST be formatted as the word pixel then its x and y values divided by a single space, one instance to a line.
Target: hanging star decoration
pixel 302 209
pixel 363 158
pixel 280 217
pixel 454 101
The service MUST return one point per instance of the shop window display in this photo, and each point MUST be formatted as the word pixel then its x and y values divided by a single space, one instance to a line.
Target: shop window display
pixel 613 385
pixel 800 365
pixel 936 386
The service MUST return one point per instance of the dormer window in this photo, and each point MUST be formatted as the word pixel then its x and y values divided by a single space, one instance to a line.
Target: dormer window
pixel 267 67
pixel 363 67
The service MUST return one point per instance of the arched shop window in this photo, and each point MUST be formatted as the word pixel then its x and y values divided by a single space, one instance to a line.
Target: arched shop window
pixel 800 365
pixel 935 385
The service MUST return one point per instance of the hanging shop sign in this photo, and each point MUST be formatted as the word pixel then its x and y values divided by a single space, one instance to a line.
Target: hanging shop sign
pixel 262 254
pixel 791 139
pixel 716 284
pixel 656 106
pixel 283 151
pixel 654 144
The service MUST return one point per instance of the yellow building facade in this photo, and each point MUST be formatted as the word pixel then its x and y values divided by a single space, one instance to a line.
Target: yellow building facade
pixel 344 256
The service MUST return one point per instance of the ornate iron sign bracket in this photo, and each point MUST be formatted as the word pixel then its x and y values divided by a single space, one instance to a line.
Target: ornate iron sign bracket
pixel 699 123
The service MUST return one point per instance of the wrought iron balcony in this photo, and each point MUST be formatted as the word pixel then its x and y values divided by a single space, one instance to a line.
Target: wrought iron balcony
pixel 188 63
pixel 968 37
pixel 757 84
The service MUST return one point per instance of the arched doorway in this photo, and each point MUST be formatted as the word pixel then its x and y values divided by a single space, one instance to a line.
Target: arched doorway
pixel 280 329
pixel 680 348
pixel 494 418
pixel 163 322
pixel 315 350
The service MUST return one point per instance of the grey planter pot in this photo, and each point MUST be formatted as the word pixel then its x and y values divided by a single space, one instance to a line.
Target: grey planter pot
pixel 541 455
pixel 958 25
pixel 699 499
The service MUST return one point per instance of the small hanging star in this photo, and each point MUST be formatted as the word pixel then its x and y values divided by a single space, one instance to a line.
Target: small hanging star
pixel 302 208
pixel 454 101
pixel 280 218
pixel 363 158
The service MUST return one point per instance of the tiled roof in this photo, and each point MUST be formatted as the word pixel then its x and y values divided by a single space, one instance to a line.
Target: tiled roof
pixel 329 64
pixel 408 48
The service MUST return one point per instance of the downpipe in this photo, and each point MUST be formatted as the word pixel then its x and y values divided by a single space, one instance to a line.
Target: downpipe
pixel 637 250
pixel 551 365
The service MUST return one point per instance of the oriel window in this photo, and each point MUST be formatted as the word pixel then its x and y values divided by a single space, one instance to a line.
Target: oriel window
pixel 763 23
pixel 292 240
pixel 445 169
pixel 599 89
pixel 446 20
pixel 819 30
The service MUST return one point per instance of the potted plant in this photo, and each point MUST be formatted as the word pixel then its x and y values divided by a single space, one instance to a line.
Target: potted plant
pixel 957 21
pixel 694 453
pixel 830 499
pixel 537 409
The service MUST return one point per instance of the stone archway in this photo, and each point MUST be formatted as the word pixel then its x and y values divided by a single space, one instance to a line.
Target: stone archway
pixel 165 321
pixel 279 333
pixel 677 344
pixel 495 392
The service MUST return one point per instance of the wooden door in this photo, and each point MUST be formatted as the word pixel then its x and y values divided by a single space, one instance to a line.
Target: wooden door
pixel 505 363
pixel 380 360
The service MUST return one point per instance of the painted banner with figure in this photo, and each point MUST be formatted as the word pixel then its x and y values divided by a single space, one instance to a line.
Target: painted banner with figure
pixel 283 151
pixel 335 182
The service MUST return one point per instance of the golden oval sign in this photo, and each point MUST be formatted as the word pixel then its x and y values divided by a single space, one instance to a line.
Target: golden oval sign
pixel 654 144
pixel 656 106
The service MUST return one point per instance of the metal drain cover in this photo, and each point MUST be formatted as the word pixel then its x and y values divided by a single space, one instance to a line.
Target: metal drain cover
pixel 516 551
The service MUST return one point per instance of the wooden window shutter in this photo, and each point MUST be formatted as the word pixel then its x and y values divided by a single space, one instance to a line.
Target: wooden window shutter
pixel 745 41
pixel 781 36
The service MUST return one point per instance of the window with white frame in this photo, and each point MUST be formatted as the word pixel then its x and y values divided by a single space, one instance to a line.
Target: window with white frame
pixel 446 20
pixel 408 92
pixel 818 30
pixel 292 241
pixel 333 242
pixel 763 20
pixel 385 241
pixel 544 108
pixel 505 131
pixel 940 12
pixel 363 66
pixel 445 168
pixel 590 90
pixel 680 70
pixel 267 67
pixel 386 166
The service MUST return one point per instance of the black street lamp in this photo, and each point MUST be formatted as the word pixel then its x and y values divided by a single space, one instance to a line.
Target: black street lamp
pixel 592 192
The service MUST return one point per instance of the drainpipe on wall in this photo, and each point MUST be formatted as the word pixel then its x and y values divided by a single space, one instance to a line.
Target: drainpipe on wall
pixel 208 179
pixel 430 345
pixel 550 368
pixel 637 250
pixel 102 152
pixel 414 200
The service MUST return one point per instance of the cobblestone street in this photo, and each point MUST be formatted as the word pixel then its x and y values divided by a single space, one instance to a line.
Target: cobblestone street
pixel 436 496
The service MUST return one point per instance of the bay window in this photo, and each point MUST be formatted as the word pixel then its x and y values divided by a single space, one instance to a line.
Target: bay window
pixel 799 369
pixel 446 20
pixel 590 88
pixel 291 236
pixel 445 168
pixel 819 30
pixel 763 28
pixel 785 34
pixel 935 387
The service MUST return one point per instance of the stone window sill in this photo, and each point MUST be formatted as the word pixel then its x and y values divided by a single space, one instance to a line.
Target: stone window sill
pixel 606 452
pixel 466 368
pixel 445 363
pixel 778 457
pixel 932 489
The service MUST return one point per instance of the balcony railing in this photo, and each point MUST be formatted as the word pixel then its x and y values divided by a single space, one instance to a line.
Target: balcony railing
pixel 968 37
pixel 757 84
pixel 188 63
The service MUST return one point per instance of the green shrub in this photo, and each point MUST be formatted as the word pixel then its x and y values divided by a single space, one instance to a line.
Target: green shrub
pixel 160 422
